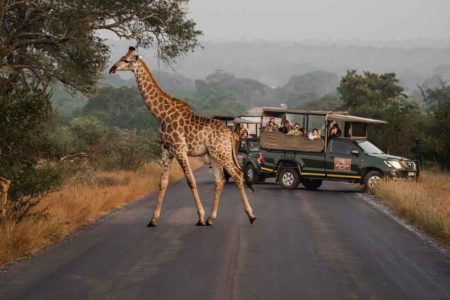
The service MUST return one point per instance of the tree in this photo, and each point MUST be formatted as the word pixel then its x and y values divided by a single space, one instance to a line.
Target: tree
pixel 58 40
pixel 368 89
pixel 436 144
pixel 44 42
pixel 380 96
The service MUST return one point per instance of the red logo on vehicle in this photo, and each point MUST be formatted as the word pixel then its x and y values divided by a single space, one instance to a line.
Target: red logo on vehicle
pixel 342 164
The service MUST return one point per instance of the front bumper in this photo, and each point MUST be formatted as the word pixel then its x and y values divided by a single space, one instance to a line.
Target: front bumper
pixel 403 174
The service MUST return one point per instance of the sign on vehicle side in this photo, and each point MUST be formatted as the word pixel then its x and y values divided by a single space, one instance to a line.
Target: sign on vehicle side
pixel 342 164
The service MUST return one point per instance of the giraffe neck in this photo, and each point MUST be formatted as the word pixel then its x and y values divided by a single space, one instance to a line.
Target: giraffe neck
pixel 156 100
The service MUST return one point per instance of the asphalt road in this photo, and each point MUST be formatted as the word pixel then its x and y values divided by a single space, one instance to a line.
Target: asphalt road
pixel 326 244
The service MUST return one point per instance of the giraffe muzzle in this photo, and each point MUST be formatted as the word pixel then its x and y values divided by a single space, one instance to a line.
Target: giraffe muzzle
pixel 112 70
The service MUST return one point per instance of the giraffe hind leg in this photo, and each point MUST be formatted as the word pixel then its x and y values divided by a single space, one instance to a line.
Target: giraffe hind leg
pixel 238 178
pixel 219 180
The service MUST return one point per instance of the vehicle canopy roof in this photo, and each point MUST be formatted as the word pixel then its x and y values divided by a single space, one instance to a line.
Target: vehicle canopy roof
pixel 238 120
pixel 329 115
pixel 353 119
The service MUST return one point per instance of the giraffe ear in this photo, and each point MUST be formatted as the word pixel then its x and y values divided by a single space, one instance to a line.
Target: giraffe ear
pixel 136 57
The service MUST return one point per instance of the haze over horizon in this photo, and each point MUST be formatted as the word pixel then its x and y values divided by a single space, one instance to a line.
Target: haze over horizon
pixel 270 43
pixel 323 20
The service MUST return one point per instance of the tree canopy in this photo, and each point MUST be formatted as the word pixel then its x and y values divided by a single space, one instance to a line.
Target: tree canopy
pixel 50 40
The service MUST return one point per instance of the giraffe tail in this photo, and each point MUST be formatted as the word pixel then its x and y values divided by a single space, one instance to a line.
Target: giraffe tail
pixel 248 183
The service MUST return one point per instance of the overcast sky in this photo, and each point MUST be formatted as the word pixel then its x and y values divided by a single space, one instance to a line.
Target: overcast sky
pixel 299 20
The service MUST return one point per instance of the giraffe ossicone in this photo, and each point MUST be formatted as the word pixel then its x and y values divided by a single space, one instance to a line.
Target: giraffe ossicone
pixel 184 134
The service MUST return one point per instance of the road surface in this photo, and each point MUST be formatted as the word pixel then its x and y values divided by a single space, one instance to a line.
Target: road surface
pixel 327 244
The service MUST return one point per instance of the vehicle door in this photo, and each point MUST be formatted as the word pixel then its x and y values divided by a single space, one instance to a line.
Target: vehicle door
pixel 312 163
pixel 341 163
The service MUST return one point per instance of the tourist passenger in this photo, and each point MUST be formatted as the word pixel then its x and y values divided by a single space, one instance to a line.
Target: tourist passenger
pixel 335 131
pixel 271 125
pixel 243 131
pixel 297 130
pixel 286 127
pixel 314 134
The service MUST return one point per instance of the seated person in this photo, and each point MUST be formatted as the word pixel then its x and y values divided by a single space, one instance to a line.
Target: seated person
pixel 243 131
pixel 286 127
pixel 314 135
pixel 335 131
pixel 271 125
pixel 297 130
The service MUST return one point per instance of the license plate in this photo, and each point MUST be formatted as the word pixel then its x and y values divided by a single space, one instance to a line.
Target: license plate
pixel 411 174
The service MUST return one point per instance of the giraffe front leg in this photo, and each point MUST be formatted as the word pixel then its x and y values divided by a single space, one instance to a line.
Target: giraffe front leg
pixel 164 182
pixel 184 163
pixel 219 181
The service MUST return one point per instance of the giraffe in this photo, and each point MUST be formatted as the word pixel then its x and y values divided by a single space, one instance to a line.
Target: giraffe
pixel 184 134
pixel 4 187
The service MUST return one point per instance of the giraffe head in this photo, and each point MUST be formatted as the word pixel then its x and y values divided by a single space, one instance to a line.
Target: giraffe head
pixel 128 62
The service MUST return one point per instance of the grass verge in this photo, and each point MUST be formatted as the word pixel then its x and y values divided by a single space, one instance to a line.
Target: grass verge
pixel 426 203
pixel 84 199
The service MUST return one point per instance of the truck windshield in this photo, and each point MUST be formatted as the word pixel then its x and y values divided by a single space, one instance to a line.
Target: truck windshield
pixel 369 148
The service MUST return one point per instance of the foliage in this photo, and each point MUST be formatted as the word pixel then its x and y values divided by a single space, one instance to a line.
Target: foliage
pixel 66 47
pixel 436 143
pixel 368 89
pixel 108 148
pixel 22 127
pixel 327 102
pixel 129 149
pixel 120 107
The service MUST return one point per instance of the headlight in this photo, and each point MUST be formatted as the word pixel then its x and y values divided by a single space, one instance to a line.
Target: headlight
pixel 393 164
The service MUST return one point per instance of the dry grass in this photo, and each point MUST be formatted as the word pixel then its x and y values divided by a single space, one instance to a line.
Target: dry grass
pixel 426 203
pixel 81 201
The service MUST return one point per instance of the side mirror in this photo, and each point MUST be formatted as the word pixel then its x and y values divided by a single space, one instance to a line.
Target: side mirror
pixel 355 152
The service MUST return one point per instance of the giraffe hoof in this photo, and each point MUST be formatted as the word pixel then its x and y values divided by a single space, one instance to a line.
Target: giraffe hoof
pixel 209 222
pixel 152 224
pixel 200 223
pixel 252 219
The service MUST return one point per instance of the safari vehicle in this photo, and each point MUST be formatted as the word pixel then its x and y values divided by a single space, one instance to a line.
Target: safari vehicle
pixel 248 146
pixel 292 159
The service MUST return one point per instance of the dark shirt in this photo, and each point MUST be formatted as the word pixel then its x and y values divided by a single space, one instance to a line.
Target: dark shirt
pixel 284 129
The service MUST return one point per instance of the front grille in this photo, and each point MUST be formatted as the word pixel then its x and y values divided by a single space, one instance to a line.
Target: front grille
pixel 408 164
pixel 411 164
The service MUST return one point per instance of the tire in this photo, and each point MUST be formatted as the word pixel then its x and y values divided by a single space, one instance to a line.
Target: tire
pixel 312 184
pixel 251 175
pixel 371 179
pixel 288 179
pixel 226 175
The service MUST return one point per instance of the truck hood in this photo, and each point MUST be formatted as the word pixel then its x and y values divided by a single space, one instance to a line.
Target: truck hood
pixel 387 156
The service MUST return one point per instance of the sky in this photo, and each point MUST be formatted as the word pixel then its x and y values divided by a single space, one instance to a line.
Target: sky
pixel 335 20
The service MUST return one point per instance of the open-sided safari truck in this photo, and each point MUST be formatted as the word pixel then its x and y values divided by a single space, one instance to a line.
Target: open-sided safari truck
pixel 346 156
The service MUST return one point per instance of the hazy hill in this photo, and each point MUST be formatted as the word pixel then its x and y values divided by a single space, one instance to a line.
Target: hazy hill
pixel 274 63
pixel 309 86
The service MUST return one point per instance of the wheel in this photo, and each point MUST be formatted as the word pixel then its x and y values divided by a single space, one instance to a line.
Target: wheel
pixel 371 179
pixel 311 184
pixel 288 179
pixel 251 174
pixel 226 175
